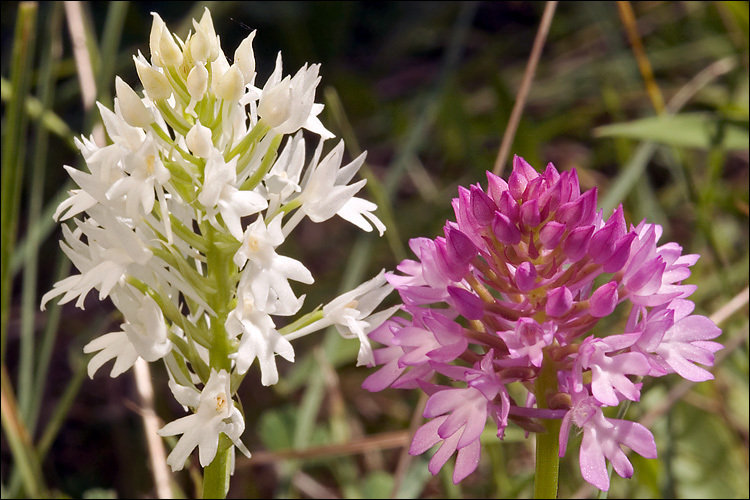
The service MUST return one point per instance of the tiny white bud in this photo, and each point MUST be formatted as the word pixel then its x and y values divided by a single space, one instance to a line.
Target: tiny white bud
pixel 208 29
pixel 134 112
pixel 245 57
pixel 155 84
pixel 197 84
pixel 198 139
pixel 231 85
pixel 200 48
pixel 156 28
pixel 169 51
pixel 275 105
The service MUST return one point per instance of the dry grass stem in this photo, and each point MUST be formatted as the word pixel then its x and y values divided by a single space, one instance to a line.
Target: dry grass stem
pixel 523 91
pixel 644 65
pixel 156 453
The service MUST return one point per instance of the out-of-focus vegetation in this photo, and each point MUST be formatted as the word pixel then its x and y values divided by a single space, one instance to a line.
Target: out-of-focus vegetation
pixel 427 89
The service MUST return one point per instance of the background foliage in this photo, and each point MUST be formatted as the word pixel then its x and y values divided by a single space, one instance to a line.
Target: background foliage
pixel 427 89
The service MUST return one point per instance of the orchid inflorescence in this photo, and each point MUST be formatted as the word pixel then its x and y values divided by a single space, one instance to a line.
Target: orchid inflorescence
pixel 178 221
pixel 502 312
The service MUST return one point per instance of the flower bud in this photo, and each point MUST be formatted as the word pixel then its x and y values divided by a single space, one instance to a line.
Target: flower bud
pixel 526 276
pixel 551 234
pixel 505 230
pixel 244 57
pixel 197 84
pixel 482 206
pixel 154 83
pixel 207 26
pixel 169 51
pixel 577 242
pixel 199 141
pixel 530 215
pixel 199 45
pixel 466 303
pixel 156 28
pixel 231 85
pixel 604 300
pixel 275 105
pixel 559 301
pixel 496 186
pixel 133 111
pixel 522 175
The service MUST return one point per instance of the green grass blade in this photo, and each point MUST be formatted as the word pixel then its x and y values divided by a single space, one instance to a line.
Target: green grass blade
pixel 29 300
pixel 14 128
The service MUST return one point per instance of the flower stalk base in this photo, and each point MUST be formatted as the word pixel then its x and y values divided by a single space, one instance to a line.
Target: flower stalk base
pixel 216 474
pixel 547 443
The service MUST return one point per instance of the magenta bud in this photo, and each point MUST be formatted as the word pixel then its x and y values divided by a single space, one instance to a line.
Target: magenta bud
pixel 530 213
pixel 460 248
pixel 523 173
pixel 648 279
pixel 588 212
pixel 577 242
pixel 482 206
pixel 461 206
pixel 496 186
pixel 579 212
pixel 570 189
pixel 604 300
pixel 466 303
pixel 509 206
pixel 517 185
pixel 551 175
pixel 620 255
pixel 505 231
pixel 603 242
pixel 526 276
pixel 559 301
pixel 550 200
pixel 551 233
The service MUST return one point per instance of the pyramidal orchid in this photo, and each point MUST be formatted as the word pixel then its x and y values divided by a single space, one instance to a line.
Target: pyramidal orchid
pixel 181 222
pixel 502 312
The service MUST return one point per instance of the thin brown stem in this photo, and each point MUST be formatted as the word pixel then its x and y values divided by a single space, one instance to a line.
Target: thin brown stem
pixel 523 91
pixel 644 66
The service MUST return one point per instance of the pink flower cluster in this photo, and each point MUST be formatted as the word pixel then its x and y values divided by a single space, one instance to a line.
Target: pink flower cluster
pixel 517 285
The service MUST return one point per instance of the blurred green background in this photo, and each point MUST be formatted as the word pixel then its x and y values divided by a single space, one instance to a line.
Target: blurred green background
pixel 427 88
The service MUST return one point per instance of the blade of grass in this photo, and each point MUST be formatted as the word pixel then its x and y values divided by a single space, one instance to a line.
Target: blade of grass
pixel 24 456
pixel 14 128
pixel 51 51
pixel 632 172
pixel 46 117
pixel 110 44
pixel 41 230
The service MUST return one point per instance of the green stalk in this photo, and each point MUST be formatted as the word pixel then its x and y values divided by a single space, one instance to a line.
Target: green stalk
pixel 216 474
pixel 219 271
pixel 547 444
pixel 14 130
pixel 219 265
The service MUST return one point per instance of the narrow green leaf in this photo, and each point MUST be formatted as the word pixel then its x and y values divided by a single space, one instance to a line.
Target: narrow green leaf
pixel 692 130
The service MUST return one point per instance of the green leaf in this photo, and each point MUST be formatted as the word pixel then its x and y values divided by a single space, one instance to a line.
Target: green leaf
pixel 276 428
pixel 378 484
pixel 692 130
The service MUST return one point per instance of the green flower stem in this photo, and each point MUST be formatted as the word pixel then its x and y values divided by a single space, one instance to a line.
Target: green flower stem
pixel 216 474
pixel 547 443
pixel 265 165
pixel 220 275
pixel 219 266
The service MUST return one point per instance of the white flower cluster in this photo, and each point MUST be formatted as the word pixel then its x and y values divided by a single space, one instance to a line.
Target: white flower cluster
pixel 179 221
